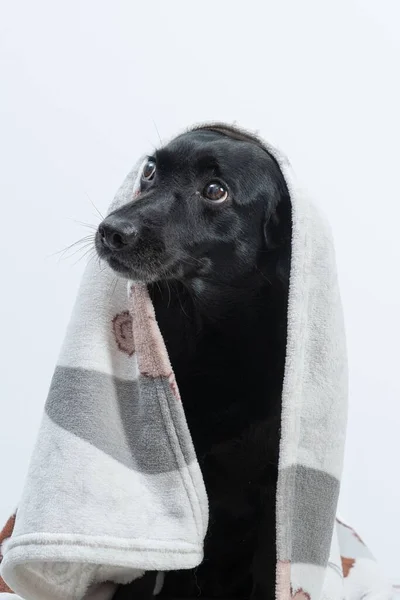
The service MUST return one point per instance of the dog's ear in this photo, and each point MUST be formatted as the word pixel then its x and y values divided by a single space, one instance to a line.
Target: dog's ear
pixel 278 237
pixel 271 222
pixel 277 225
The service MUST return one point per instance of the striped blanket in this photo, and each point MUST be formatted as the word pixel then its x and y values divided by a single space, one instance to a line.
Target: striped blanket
pixel 114 487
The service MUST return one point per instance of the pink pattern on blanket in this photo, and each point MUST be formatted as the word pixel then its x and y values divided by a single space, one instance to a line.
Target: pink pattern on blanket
pixel 283 585
pixel 152 355
pixel 283 580
pixel 122 327
pixel 354 533
pixel 5 534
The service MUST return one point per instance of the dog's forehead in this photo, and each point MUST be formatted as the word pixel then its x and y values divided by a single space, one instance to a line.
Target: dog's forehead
pixel 204 150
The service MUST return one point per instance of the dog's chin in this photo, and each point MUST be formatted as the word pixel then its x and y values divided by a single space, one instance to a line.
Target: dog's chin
pixel 118 267
pixel 143 273
pixel 156 269
pixel 134 273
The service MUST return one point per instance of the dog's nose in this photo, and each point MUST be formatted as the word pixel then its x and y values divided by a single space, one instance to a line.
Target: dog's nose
pixel 116 234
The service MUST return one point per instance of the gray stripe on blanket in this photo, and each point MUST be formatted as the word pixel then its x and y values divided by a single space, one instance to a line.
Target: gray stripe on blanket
pixel 121 418
pixel 125 419
pixel 308 518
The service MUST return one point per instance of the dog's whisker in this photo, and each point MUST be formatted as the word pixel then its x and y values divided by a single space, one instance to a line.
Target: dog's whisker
pixel 83 256
pixel 180 301
pixel 263 275
pixel 86 248
pixel 81 241
pixel 111 285
pixel 169 293
pixel 100 268
pixel 88 225
pixel 68 253
pixel 194 261
pixel 94 206
pixel 94 255
pixel 115 286
pixel 159 289
pixel 158 133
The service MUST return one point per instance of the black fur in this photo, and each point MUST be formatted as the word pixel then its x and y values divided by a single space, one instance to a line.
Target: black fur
pixel 218 276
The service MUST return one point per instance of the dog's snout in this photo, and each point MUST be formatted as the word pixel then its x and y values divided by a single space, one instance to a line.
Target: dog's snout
pixel 117 234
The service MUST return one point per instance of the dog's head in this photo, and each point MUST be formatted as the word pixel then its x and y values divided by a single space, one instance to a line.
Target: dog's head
pixel 211 204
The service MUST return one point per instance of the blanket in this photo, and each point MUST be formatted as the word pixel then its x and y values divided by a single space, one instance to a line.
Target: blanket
pixel 114 487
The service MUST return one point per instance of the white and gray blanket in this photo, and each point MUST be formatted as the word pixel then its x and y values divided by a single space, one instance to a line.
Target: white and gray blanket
pixel 114 487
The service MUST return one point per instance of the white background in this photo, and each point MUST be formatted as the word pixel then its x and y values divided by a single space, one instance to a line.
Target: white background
pixel 82 84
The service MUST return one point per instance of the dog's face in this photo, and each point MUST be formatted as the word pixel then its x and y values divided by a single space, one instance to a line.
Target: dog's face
pixel 207 207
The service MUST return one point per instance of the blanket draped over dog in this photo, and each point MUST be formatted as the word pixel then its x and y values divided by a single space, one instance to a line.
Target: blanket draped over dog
pixel 114 487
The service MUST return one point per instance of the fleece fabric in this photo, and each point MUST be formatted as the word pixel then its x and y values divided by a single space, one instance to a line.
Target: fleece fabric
pixel 114 487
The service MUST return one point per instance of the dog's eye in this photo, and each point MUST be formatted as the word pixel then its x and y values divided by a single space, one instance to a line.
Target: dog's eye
pixel 149 170
pixel 215 192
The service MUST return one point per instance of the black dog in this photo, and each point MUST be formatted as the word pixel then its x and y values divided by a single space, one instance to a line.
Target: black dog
pixel 210 233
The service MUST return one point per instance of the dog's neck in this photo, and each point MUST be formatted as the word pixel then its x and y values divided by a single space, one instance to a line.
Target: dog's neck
pixel 241 312
pixel 216 303
pixel 246 297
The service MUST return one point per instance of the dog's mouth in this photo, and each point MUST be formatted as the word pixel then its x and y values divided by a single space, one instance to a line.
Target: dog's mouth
pixel 118 265
pixel 151 270
pixel 144 270
pixel 136 270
